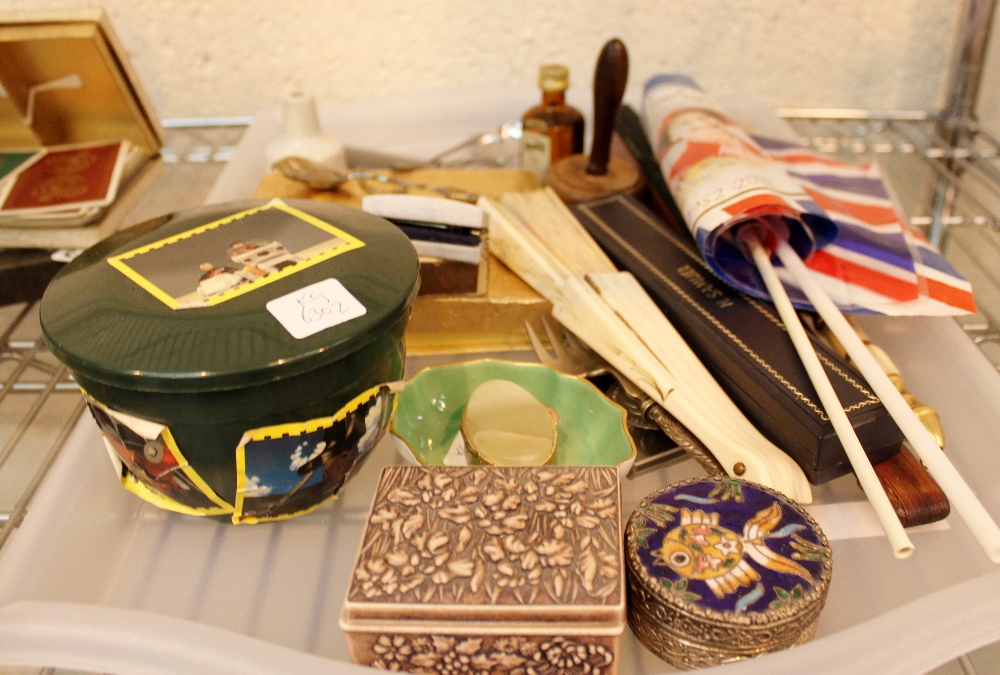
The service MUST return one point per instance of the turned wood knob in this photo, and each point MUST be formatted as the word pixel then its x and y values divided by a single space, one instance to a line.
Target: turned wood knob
pixel 579 177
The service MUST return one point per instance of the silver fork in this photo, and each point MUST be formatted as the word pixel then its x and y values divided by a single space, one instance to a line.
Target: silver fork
pixel 570 355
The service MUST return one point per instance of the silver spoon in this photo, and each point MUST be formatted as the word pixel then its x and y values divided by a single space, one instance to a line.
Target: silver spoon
pixel 319 177
pixel 508 131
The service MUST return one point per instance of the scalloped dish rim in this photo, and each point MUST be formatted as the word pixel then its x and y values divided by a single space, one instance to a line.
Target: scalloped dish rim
pixel 409 454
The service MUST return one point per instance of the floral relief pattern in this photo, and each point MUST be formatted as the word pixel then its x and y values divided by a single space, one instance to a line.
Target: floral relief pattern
pixel 513 655
pixel 491 536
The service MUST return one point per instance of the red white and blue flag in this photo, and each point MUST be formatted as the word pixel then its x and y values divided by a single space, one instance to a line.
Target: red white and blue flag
pixel 841 218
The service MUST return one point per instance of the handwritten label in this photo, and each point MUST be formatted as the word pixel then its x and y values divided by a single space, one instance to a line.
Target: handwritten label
pixel 314 308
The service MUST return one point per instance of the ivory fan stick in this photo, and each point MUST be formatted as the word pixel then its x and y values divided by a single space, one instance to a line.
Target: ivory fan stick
pixel 729 436
pixel 958 491
pixel 542 213
pixel 520 251
pixel 900 542
pixel 715 412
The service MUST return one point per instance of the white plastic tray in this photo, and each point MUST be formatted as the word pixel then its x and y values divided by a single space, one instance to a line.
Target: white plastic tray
pixel 96 579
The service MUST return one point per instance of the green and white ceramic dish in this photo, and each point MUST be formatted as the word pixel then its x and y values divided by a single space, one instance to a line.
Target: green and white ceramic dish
pixel 591 429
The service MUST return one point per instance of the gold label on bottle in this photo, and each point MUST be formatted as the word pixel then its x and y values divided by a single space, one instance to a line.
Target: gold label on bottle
pixel 535 151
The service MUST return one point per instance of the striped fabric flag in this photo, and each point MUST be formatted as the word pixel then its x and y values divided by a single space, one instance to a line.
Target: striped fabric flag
pixel 841 218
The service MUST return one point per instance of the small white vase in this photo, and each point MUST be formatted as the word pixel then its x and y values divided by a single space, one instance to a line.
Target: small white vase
pixel 301 136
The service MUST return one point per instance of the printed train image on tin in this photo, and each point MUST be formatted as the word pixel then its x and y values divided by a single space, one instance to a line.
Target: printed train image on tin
pixel 151 465
pixel 290 473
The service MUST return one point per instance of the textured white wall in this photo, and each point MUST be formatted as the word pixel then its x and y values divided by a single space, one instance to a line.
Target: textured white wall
pixel 231 57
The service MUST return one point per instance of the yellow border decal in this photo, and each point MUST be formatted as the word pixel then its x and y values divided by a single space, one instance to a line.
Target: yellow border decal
pixel 141 488
pixel 363 438
pixel 292 430
pixel 120 262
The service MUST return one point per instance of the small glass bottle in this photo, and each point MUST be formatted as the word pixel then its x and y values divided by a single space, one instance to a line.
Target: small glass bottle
pixel 553 129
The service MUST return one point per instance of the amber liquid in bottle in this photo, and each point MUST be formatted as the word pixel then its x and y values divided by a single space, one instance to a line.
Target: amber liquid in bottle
pixel 553 129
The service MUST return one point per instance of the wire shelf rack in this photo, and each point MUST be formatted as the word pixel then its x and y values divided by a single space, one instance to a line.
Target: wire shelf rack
pixel 949 192
pixel 39 400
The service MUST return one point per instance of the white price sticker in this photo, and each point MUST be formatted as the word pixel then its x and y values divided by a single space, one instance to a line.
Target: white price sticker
pixel 316 307
pixel 456 452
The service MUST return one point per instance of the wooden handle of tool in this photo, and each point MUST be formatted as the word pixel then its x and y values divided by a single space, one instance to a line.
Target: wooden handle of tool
pixel 915 496
pixel 610 77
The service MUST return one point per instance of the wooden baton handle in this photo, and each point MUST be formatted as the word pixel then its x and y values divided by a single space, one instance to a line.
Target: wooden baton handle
pixel 913 493
pixel 578 177
pixel 610 77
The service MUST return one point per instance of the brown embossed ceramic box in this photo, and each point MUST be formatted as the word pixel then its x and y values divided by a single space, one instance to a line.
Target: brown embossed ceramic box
pixel 489 569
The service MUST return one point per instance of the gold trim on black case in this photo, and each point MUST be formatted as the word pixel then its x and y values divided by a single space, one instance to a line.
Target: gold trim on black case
pixel 870 398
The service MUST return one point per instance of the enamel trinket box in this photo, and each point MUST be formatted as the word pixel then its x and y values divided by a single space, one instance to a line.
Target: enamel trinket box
pixel 720 571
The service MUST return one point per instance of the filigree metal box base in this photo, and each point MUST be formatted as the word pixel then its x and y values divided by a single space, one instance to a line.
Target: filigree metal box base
pixel 720 571
pixel 491 569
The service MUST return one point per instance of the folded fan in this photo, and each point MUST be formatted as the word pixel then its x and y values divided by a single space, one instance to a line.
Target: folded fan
pixel 540 239
pixel 613 314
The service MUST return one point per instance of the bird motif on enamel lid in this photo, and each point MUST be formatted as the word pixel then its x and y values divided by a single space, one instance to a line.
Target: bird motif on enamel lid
pixel 702 549
pixel 729 546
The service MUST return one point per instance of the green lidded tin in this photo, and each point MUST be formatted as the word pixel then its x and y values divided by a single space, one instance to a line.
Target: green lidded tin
pixel 234 355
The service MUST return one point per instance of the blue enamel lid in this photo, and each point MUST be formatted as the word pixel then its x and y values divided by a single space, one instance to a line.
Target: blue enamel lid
pixel 728 549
